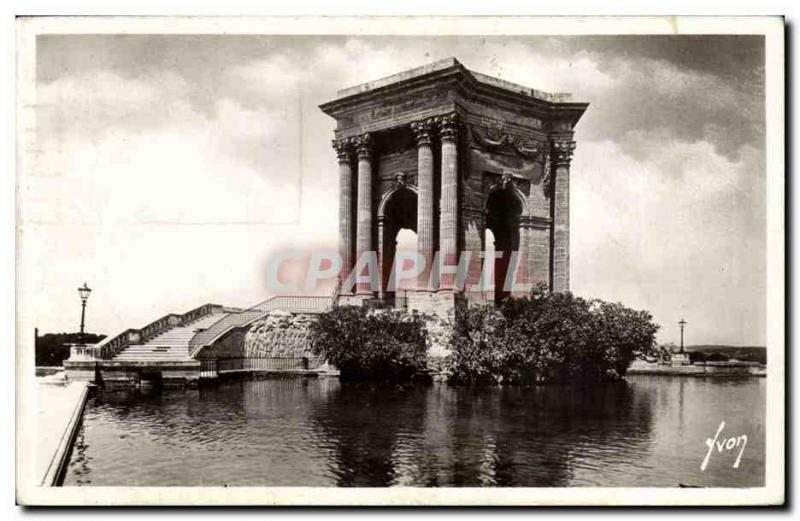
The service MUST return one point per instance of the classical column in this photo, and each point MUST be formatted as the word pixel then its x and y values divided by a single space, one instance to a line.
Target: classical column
pixel 561 157
pixel 423 132
pixel 473 222
pixel 343 149
pixel 363 146
pixel 448 219
pixel 538 240
pixel 522 267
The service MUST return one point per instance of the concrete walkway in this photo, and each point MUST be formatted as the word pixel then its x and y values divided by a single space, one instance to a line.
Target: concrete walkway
pixel 59 410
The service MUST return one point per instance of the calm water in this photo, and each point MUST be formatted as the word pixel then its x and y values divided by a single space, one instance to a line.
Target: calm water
pixel 648 432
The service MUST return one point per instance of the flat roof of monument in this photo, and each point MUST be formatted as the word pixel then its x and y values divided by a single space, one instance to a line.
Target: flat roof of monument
pixel 449 63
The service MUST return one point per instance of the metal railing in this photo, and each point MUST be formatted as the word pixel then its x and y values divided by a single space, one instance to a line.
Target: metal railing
pixel 109 347
pixel 211 368
pixel 231 321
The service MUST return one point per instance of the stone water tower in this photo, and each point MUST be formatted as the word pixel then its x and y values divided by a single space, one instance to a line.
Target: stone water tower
pixel 450 153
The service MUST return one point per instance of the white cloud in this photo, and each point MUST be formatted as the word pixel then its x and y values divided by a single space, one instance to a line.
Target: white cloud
pixel 517 63
pixel 672 244
pixel 274 74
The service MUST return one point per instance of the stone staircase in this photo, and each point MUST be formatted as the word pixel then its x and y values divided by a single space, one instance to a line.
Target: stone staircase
pixel 170 346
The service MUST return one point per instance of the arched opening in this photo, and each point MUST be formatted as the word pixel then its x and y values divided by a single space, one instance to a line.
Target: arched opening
pixel 398 227
pixel 488 255
pixel 503 214
pixel 406 242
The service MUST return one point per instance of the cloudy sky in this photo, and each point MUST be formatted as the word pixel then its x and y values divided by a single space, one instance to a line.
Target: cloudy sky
pixel 168 168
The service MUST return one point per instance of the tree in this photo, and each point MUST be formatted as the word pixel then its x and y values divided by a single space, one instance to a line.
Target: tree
pixel 548 337
pixel 476 354
pixel 376 345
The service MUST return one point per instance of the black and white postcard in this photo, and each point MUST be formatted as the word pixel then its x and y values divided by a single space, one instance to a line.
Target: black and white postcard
pixel 400 261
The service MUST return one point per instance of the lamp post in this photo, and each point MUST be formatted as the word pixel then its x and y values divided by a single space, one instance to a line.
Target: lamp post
pixel 84 293
pixel 682 323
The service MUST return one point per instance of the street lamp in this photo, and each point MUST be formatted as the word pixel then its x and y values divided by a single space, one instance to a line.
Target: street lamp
pixel 682 323
pixel 84 293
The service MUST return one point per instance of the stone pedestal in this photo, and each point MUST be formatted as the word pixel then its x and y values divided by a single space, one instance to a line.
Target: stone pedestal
pixel 680 359
pixel 438 303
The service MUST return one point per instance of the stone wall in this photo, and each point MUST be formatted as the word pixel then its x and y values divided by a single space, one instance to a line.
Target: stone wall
pixel 230 345
pixel 280 334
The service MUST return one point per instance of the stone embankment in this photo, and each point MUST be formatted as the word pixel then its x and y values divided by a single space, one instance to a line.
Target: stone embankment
pixel 285 335
pixel 698 369
pixel 280 335
pixel 59 410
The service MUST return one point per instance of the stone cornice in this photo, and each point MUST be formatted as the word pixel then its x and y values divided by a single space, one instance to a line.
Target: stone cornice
pixel 448 71
pixel 402 120
pixel 446 81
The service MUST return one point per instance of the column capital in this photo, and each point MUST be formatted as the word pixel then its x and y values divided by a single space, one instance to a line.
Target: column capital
pixel 562 152
pixel 343 148
pixel 448 126
pixel 364 145
pixel 423 131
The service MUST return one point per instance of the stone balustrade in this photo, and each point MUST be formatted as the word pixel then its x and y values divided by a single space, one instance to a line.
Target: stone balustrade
pixel 109 347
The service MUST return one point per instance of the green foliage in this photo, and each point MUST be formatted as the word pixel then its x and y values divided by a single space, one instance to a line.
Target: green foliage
pixel 53 348
pixel 477 350
pixel 664 351
pixel 378 345
pixel 549 337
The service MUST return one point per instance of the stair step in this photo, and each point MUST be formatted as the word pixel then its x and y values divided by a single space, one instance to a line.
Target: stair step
pixel 169 345
pixel 150 349
pixel 160 355
pixel 166 359
pixel 155 353
pixel 152 352
pixel 156 348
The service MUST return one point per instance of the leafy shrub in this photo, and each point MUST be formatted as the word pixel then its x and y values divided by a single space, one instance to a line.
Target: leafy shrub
pixel 477 351
pixel 377 345
pixel 549 337
pixel 662 352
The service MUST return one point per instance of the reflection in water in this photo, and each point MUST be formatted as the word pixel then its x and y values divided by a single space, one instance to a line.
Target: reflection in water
pixel 318 432
pixel 477 436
